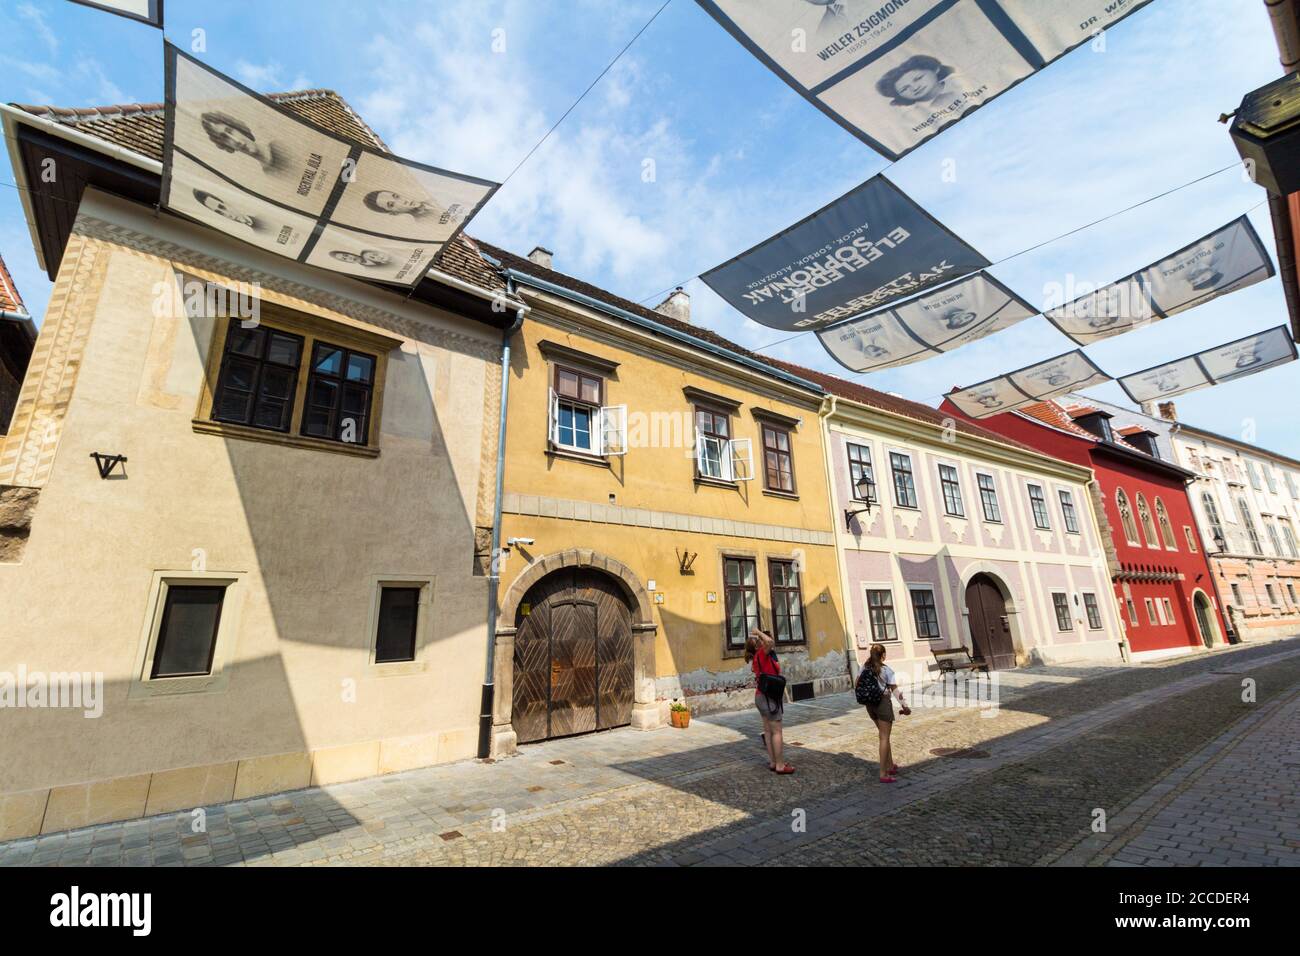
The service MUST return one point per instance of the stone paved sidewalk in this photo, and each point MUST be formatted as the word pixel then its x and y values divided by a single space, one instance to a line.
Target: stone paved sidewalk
pixel 1236 804
pixel 665 796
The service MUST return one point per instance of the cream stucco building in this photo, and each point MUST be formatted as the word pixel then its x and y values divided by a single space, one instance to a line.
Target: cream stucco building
pixel 209 595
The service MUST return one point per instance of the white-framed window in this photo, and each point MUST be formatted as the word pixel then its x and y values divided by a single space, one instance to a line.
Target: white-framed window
pixel 717 454
pixel 860 466
pixel 925 612
pixel 578 421
pixel 989 498
pixel 1151 611
pixel 950 485
pixel 1148 526
pixel 1126 517
pixel 1272 593
pixel 900 467
pixel 1166 529
pixel 1168 613
pixel 188 633
pixel 1092 610
pixel 1038 507
pixel 1191 538
pixel 1068 514
pixel 1132 611
pixel 880 613
pixel 1061 605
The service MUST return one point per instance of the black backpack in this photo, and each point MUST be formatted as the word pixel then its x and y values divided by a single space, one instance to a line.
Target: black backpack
pixel 868 689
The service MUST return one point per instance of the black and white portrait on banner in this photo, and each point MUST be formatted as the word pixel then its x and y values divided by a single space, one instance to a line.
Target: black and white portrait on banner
pixel 1230 258
pixel 1033 383
pixel 870 247
pixel 1223 363
pixel 897 72
pixel 930 324
pixel 202 195
pixel 370 256
pixel 146 11
pixel 331 202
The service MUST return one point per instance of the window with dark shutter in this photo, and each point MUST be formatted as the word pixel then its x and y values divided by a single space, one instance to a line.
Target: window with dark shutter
pixel 187 635
pixel 399 613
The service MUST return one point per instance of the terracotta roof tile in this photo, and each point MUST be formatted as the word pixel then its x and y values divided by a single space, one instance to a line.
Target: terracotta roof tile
pixel 10 300
pixel 1054 414
pixel 139 128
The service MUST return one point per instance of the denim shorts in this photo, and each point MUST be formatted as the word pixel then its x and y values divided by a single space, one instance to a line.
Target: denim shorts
pixel 772 711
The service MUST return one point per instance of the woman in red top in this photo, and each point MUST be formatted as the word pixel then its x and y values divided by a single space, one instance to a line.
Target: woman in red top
pixel 761 656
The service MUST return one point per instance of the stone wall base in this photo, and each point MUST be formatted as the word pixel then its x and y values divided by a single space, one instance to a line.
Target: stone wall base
pixel 1091 652
pixel 717 702
pixel 32 812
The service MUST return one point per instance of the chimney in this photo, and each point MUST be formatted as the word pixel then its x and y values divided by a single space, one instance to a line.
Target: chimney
pixel 676 306
pixel 542 256
pixel 1168 412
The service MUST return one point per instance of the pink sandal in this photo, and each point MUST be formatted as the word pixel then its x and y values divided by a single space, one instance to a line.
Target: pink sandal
pixel 889 779
pixel 788 768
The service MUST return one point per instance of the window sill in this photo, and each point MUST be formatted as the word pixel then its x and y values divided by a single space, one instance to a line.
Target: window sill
pixel 583 457
pixel 227 430
pixel 916 508
pixel 715 482
pixel 949 514
pixel 788 495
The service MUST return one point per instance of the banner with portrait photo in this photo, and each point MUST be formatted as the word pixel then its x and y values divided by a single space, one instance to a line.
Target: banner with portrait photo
pixel 1230 258
pixel 146 11
pixel 1034 383
pixel 894 73
pixel 1224 363
pixel 224 140
pixel 930 324
pixel 869 247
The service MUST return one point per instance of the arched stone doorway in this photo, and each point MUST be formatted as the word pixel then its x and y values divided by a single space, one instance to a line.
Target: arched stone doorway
pixel 1205 623
pixel 989 621
pixel 575 651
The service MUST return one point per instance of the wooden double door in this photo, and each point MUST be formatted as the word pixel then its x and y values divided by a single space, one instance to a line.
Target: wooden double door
pixel 573 667
pixel 990 631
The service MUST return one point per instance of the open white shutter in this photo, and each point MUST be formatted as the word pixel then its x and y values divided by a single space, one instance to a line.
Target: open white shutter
pixel 701 464
pixel 739 459
pixel 553 417
pixel 613 430
pixel 724 461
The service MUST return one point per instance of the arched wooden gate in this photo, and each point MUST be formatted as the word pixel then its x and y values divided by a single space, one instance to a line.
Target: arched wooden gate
pixel 573 664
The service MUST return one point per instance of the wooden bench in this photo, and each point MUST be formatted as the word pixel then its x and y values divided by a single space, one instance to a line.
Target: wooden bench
pixel 954 659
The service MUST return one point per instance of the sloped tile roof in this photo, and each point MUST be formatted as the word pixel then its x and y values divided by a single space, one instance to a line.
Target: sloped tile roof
pixel 1056 415
pixel 831 383
pixel 139 127
pixel 10 300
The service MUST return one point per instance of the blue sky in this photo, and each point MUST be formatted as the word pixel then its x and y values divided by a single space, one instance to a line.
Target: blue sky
pixel 738 156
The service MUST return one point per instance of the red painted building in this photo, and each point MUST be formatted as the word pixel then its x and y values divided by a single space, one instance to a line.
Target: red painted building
pixel 1157 560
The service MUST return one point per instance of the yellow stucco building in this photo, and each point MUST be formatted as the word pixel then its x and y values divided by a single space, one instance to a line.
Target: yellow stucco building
pixel 665 491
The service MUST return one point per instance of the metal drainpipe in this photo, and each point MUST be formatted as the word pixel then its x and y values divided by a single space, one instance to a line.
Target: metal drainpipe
pixel 494 573
pixel 824 415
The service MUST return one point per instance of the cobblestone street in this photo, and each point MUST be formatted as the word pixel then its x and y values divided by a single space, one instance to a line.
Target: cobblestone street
pixel 1184 771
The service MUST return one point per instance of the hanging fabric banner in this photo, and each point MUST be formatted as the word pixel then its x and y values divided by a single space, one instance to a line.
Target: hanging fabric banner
pixel 1228 259
pixel 930 324
pixel 1034 383
pixel 1224 363
pixel 867 248
pixel 146 11
pixel 894 73
pixel 246 166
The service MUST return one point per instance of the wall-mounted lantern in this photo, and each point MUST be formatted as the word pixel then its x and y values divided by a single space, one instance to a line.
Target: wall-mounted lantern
pixel 865 491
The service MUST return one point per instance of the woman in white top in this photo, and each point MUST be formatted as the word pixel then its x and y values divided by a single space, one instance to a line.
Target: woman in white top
pixel 883 712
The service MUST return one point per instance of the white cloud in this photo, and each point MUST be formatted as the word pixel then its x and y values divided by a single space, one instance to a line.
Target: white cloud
pixel 39 26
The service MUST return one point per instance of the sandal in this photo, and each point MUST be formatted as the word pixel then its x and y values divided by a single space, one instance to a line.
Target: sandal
pixel 889 780
pixel 786 769
pixel 894 770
